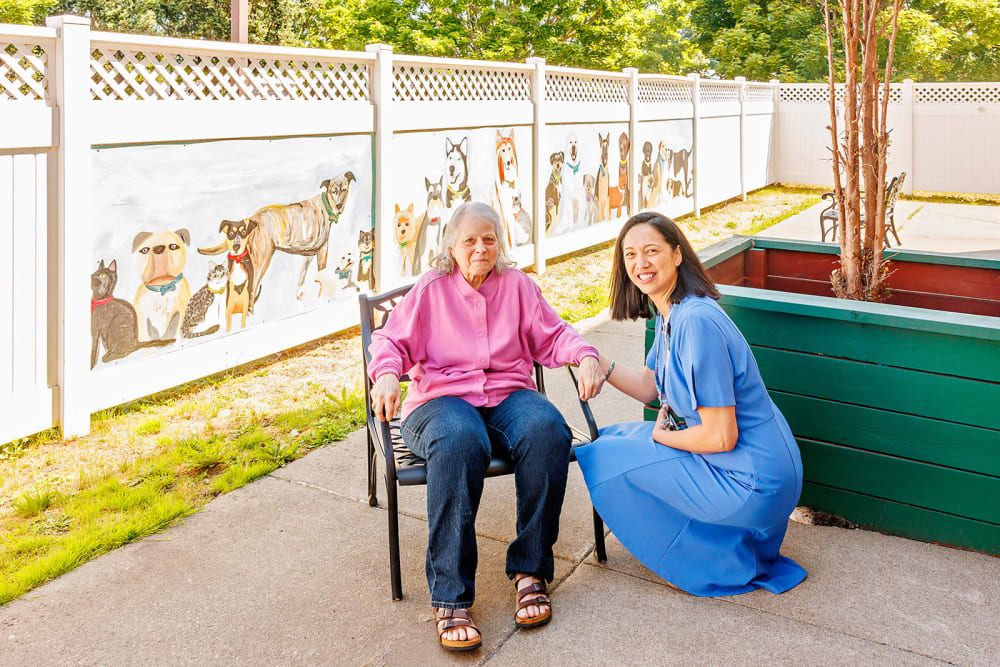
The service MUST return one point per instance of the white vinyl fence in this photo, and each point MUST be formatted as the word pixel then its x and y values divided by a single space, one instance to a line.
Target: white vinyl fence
pixel 943 135
pixel 173 208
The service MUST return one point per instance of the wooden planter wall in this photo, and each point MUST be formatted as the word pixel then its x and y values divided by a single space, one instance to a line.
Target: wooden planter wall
pixel 896 408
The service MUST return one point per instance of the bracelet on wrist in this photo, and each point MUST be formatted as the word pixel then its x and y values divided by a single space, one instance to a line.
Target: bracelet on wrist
pixel 610 368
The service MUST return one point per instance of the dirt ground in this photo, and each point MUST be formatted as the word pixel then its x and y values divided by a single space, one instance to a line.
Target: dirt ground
pixel 295 378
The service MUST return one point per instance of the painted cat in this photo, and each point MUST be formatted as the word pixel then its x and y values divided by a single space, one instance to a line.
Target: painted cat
pixel 206 309
pixel 366 250
pixel 113 322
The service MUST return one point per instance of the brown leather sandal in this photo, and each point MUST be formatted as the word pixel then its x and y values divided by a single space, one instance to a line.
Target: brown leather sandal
pixel 456 618
pixel 532 594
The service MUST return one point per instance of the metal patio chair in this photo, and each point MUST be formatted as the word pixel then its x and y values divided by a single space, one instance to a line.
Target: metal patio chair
pixel 401 467
pixel 831 215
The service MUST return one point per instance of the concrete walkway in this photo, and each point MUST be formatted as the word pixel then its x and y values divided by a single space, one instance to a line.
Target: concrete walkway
pixel 293 570
pixel 948 228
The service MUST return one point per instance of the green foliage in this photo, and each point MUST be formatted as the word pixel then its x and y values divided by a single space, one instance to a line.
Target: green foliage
pixel 955 40
pixel 25 12
pixel 584 33
pixel 594 299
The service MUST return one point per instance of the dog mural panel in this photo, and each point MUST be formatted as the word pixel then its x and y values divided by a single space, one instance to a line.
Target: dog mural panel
pixel 302 229
pixel 160 300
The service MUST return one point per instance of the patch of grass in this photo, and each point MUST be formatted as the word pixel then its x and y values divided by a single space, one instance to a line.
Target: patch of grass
pixel 760 223
pixel 33 503
pixel 237 476
pixel 203 454
pixel 593 299
pixel 151 426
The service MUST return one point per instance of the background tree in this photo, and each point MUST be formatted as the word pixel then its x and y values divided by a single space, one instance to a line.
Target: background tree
pixel 955 40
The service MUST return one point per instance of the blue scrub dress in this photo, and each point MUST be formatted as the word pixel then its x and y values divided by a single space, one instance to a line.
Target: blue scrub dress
pixel 710 524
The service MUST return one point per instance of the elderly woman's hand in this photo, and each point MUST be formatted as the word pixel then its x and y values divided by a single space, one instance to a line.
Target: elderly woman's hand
pixel 591 378
pixel 386 395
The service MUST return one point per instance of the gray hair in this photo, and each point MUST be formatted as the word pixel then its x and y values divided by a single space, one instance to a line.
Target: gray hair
pixel 445 263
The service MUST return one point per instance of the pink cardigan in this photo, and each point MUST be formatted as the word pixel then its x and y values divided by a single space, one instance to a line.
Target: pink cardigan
pixel 477 345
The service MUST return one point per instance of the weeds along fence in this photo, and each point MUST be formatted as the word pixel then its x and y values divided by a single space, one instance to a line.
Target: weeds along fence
pixel 173 208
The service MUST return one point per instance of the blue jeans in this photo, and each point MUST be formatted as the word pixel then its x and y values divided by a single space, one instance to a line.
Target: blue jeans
pixel 456 439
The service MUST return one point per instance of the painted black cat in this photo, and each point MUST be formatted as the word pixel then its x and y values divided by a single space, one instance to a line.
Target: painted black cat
pixel 113 322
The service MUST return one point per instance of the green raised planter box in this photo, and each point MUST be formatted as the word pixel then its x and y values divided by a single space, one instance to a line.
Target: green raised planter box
pixel 895 406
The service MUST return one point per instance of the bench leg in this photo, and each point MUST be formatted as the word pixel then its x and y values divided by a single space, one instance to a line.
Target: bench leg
pixel 600 551
pixel 397 583
pixel 372 479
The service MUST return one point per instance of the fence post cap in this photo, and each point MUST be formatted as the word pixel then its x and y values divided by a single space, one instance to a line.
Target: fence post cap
pixel 694 75
pixel 534 60
pixel 66 19
pixel 740 79
pixel 374 48
pixel 630 70
pixel 774 82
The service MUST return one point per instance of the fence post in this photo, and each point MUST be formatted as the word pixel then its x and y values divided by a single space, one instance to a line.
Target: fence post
pixel 73 215
pixel 742 80
pixel 695 126
pixel 775 166
pixel 380 93
pixel 539 171
pixel 905 136
pixel 634 152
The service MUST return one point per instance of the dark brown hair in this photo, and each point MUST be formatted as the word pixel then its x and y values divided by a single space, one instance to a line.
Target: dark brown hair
pixel 627 301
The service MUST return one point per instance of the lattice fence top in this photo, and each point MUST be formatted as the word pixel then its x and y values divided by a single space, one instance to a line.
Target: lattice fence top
pixel 820 93
pixel 167 74
pixel 759 94
pixel 986 93
pixel 23 68
pixel 567 87
pixel 718 92
pixel 450 83
pixel 669 92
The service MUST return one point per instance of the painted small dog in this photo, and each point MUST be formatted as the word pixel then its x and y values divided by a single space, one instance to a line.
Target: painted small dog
pixel 239 298
pixel 552 193
pixel 163 295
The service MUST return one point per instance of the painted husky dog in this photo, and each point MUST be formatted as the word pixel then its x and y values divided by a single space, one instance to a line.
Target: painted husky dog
pixel 457 172
pixel 571 210
pixel 506 187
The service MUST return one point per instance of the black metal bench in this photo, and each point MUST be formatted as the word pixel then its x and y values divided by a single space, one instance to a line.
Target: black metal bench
pixel 831 213
pixel 403 468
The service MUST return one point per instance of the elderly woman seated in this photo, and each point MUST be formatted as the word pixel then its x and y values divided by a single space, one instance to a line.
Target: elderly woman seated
pixel 467 334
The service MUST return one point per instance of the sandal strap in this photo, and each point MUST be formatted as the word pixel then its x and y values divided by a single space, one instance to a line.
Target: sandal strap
pixel 442 613
pixel 446 619
pixel 529 600
pixel 532 588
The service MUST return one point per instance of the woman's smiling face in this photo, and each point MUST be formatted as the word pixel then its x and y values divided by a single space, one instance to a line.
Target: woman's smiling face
pixel 651 262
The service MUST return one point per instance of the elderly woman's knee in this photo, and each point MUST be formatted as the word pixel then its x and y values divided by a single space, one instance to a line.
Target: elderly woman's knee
pixel 462 440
